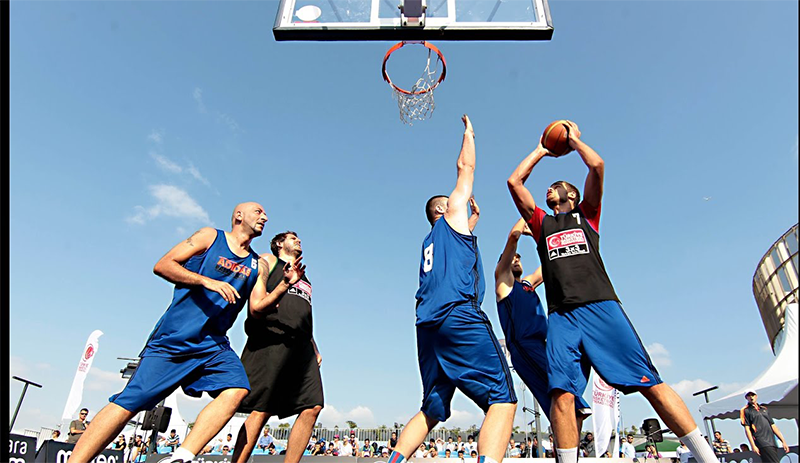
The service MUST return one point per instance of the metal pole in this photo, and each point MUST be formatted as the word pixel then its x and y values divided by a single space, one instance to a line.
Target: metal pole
pixel 21 397
pixel 524 420
pixel 536 413
pixel 705 395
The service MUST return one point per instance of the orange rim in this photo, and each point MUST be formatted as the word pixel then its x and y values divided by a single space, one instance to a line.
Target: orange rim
pixel 400 45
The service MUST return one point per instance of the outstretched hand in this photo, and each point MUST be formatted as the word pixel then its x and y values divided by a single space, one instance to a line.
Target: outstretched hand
pixel 473 205
pixel 293 272
pixel 467 125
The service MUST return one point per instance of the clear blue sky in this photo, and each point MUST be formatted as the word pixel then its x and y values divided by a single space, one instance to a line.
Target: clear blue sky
pixel 135 123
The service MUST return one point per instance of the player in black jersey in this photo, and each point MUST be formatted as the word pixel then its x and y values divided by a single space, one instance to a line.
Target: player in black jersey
pixel 586 320
pixel 281 358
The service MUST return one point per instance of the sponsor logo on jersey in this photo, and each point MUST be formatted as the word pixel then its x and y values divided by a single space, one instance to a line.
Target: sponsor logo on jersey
pixel 229 267
pixel 302 289
pixel 567 243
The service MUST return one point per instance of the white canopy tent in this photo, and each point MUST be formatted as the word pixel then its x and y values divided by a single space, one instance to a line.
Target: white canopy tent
pixel 776 386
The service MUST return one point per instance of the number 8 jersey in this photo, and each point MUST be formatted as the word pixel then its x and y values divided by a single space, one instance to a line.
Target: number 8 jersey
pixel 450 274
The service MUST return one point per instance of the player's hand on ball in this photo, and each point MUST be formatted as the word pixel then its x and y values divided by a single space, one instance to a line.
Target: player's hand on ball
pixel 540 148
pixel 467 125
pixel 574 133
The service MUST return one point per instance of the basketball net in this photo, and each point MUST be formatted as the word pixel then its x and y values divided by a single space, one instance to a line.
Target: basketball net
pixel 418 105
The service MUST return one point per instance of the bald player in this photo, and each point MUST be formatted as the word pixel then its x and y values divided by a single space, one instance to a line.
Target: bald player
pixel 214 273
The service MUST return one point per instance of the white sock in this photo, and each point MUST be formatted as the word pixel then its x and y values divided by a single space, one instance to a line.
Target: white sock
pixel 183 454
pixel 568 455
pixel 699 447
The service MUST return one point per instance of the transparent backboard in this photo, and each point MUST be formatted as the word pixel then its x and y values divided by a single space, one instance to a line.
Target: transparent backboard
pixel 332 20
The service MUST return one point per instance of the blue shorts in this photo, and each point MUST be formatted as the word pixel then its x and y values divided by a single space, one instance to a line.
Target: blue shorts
pixel 158 377
pixel 462 352
pixel 530 362
pixel 601 333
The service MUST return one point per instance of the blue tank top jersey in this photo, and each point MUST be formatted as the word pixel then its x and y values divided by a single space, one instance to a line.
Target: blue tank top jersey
pixel 522 315
pixel 450 274
pixel 197 320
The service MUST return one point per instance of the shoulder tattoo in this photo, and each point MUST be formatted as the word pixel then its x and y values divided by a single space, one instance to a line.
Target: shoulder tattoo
pixel 189 240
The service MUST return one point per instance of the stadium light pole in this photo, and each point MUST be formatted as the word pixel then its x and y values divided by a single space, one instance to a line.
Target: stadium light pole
pixel 705 394
pixel 22 396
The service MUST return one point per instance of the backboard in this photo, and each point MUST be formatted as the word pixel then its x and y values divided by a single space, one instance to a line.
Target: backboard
pixel 369 20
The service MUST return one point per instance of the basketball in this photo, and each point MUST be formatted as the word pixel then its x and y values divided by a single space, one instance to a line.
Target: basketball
pixel 556 138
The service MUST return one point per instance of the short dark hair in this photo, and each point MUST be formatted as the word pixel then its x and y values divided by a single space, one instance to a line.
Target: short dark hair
pixel 430 207
pixel 277 240
pixel 172 430
pixel 570 189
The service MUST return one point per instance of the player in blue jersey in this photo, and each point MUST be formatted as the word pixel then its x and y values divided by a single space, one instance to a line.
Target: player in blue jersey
pixel 456 345
pixel 214 273
pixel 524 322
pixel 586 324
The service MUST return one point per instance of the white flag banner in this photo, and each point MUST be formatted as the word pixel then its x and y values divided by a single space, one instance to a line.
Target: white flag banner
pixel 605 415
pixel 76 393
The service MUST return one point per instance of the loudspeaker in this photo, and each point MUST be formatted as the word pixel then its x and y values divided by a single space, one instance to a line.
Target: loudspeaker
pixel 157 418
pixel 652 429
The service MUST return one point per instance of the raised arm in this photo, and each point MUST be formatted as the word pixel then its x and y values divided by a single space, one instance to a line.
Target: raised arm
pixel 503 278
pixel 262 301
pixel 523 198
pixel 593 187
pixel 476 213
pixel 456 214
pixel 535 278
pixel 170 267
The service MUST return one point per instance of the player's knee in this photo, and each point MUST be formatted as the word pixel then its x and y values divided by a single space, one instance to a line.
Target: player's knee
pixel 235 396
pixel 562 400
pixel 313 411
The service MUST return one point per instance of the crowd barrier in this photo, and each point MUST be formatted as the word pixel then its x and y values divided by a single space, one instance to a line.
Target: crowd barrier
pixel 22 449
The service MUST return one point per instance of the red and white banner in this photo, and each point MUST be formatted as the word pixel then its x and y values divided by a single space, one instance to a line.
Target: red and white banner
pixel 605 415
pixel 76 393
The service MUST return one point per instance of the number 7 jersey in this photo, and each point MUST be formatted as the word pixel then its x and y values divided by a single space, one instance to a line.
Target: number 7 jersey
pixel 450 274
pixel 569 250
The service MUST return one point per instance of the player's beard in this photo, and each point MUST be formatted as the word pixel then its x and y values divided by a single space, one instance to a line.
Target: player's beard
pixel 516 272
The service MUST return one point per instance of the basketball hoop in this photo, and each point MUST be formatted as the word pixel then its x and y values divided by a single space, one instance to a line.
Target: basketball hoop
pixel 417 104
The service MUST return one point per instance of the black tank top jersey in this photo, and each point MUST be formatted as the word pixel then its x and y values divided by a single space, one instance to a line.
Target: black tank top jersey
pixel 292 322
pixel 569 249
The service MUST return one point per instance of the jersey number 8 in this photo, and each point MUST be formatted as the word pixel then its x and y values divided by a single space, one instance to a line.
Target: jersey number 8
pixel 427 265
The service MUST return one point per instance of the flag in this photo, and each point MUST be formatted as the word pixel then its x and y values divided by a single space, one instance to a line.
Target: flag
pixel 605 415
pixel 76 393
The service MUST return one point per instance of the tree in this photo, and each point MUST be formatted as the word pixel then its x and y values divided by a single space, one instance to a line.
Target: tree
pixel 634 430
pixel 351 424
pixel 284 426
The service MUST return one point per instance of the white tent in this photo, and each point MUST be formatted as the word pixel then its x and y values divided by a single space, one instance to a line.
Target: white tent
pixel 776 386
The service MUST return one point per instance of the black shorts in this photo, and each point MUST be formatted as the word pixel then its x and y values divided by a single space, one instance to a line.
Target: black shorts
pixel 284 378
pixel 770 454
